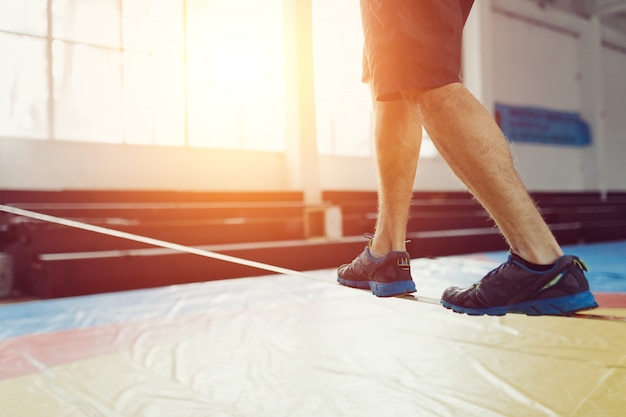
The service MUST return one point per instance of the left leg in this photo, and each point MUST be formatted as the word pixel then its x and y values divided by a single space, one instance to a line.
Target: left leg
pixel 394 57
pixel 384 265
pixel 398 136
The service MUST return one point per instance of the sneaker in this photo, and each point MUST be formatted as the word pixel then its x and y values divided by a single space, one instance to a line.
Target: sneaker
pixel 386 277
pixel 514 288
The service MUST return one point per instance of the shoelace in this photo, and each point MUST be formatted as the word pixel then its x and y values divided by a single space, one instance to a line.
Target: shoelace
pixel 493 272
pixel 500 268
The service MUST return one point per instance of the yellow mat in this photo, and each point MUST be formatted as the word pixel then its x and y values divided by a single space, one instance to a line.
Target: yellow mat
pixel 282 346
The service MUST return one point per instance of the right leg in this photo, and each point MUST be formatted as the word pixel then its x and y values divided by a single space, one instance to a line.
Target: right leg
pixel 472 144
pixel 474 147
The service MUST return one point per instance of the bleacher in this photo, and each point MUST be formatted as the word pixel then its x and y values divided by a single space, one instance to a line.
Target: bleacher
pixel 277 228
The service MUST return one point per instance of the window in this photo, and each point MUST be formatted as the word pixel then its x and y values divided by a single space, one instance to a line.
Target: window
pixel 343 103
pixel 154 72
pixel 24 16
pixel 201 73
pixel 23 80
pixel 23 87
pixel 236 68
pixel 87 93
pixel 165 72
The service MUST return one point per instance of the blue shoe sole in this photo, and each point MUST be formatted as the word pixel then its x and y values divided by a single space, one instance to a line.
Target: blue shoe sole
pixel 380 289
pixel 542 307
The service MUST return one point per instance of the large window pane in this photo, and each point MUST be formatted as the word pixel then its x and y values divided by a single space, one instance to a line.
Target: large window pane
pixel 93 21
pixel 154 100
pixel 87 93
pixel 24 16
pixel 343 103
pixel 23 87
pixel 229 77
pixel 154 26
pixel 236 74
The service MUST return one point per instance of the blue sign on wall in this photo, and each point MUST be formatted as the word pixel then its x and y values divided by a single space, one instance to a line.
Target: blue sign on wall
pixel 536 125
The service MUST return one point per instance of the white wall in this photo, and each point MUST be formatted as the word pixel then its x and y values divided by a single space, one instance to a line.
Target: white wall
pixel 543 58
pixel 52 165
pixel 530 56
pixel 615 116
pixel 538 66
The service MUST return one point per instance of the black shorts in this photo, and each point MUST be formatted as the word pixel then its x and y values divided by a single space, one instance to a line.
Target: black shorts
pixel 412 44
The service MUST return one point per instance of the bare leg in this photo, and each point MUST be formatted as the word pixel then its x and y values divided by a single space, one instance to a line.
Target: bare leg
pixel 398 136
pixel 472 144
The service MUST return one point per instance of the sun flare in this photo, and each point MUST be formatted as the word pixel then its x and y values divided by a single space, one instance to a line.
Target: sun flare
pixel 236 66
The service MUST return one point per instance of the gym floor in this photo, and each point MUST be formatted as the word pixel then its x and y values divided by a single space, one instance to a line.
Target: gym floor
pixel 282 345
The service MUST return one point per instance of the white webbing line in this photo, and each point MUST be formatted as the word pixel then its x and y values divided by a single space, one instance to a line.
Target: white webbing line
pixel 174 246
pixel 149 240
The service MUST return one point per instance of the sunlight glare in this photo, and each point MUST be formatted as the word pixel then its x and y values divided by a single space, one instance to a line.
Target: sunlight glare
pixel 236 66
pixel 236 74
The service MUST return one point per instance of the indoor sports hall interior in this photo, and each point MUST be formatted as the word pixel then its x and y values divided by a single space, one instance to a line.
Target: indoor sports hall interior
pixel 180 179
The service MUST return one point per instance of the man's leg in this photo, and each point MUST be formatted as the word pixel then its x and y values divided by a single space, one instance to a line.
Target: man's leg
pixel 384 265
pixel 472 144
pixel 474 147
pixel 398 136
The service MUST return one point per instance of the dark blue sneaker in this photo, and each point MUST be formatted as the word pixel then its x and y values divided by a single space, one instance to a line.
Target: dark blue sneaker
pixel 514 288
pixel 386 277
